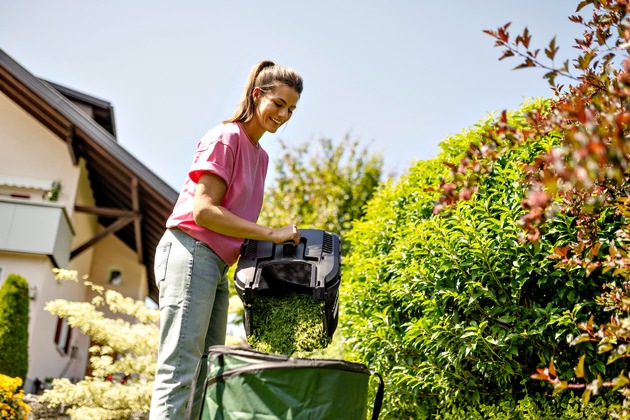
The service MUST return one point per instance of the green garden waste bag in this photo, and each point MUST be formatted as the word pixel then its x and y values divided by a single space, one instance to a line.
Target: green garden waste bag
pixel 246 384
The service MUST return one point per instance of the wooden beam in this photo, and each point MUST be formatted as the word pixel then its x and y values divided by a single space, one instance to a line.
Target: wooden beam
pixel 113 228
pixel 137 224
pixel 107 212
pixel 73 149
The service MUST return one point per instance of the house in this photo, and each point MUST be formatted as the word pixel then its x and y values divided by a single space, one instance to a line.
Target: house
pixel 71 197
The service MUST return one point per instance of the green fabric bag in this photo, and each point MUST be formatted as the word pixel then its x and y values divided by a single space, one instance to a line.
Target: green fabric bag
pixel 246 384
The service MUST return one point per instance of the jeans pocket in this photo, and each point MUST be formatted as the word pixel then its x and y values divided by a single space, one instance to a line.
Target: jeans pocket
pixel 161 262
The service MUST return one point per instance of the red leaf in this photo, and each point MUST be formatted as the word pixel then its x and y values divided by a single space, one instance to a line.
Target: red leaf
pixel 526 37
pixel 450 166
pixel 506 53
pixel 561 251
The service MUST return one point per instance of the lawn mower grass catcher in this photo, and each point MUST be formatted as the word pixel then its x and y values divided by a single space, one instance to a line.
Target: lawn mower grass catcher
pixel 290 292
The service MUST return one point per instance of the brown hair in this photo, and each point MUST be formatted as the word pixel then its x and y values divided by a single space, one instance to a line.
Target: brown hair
pixel 264 75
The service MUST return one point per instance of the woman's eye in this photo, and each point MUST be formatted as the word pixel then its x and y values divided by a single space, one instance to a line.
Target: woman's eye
pixel 279 105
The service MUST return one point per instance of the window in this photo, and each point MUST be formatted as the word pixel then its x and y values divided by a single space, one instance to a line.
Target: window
pixel 115 277
pixel 63 335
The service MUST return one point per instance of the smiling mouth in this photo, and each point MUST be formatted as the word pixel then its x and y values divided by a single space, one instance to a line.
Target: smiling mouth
pixel 275 121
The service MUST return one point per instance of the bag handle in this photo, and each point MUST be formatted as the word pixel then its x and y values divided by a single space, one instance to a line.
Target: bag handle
pixel 378 399
pixel 193 386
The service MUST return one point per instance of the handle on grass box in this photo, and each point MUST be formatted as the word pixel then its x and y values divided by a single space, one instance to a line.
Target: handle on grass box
pixel 378 399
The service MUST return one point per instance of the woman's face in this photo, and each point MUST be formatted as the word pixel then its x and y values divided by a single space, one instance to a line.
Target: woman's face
pixel 274 107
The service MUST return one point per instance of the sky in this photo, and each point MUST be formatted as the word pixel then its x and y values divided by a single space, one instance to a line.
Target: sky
pixel 399 76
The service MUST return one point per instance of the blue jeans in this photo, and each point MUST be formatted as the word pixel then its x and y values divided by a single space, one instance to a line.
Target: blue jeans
pixel 194 301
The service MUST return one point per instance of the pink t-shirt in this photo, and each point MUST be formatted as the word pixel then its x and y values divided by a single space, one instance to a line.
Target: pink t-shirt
pixel 226 151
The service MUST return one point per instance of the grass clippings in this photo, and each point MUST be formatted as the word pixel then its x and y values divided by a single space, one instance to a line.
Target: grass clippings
pixel 289 324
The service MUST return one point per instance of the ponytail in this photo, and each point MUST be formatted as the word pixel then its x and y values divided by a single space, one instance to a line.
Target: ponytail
pixel 264 75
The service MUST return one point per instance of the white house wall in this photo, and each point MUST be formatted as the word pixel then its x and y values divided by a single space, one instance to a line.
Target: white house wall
pixel 112 254
pixel 30 149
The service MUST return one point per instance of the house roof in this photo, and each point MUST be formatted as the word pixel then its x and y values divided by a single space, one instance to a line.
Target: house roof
pixel 131 201
pixel 102 111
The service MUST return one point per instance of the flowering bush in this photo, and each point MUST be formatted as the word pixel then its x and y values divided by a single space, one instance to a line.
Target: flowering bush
pixel 123 362
pixel 11 405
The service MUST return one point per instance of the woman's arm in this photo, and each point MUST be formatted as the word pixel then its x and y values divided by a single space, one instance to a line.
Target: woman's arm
pixel 209 213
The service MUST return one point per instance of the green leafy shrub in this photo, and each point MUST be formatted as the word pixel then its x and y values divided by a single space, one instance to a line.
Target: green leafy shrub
pixel 455 307
pixel 588 175
pixel 287 324
pixel 14 318
pixel 611 338
pixel 531 407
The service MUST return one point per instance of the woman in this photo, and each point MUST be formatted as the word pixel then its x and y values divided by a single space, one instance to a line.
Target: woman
pixel 216 209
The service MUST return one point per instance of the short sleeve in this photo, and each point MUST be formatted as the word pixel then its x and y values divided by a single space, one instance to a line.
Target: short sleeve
pixel 214 156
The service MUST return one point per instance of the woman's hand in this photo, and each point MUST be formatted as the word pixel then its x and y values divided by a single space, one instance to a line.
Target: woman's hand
pixel 285 234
